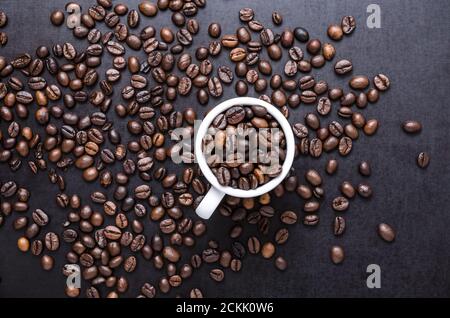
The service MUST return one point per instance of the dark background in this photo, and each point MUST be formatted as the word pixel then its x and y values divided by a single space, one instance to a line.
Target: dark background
pixel 412 48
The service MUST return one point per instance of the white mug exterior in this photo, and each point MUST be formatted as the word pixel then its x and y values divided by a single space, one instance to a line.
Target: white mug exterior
pixel 212 199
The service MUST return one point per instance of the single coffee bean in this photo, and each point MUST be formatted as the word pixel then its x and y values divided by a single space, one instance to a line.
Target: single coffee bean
pixel 370 127
pixel 412 126
pixel 288 217
pixel 364 168
pixel 57 17
pixel 337 254
pixel 47 262
pixel 335 32
pixel 339 225
pixel 246 14
pixel 381 82
pixel 281 236
pixel 311 220
pixel 347 189
pixel 268 250
pixel 386 232
pixel 340 204
pixel 217 274
pixel 364 190
pixel 331 166
pixel 301 34
pixel 343 67
pixel 423 160
pixel 348 24
pixel 280 263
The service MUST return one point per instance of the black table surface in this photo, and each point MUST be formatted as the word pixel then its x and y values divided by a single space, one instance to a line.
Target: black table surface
pixel 412 48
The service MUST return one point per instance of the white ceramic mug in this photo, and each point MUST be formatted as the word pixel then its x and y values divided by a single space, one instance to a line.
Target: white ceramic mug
pixel 216 193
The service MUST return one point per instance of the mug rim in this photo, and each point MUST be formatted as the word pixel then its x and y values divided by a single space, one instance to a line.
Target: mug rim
pixel 285 126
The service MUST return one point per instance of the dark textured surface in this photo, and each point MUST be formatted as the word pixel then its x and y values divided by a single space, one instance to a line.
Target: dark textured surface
pixel 412 48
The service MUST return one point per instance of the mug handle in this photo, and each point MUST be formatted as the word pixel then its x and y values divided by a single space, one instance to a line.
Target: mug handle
pixel 209 203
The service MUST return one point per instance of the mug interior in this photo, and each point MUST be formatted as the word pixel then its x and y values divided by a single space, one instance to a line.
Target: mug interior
pixel 278 116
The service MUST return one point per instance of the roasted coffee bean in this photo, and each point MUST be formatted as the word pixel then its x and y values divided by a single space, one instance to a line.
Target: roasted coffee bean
pixel 347 189
pixel 364 168
pixel 386 232
pixel 40 217
pixel 340 204
pixel 345 146
pixel 57 17
pixel 217 274
pixel 52 241
pixel 412 126
pixel 337 254
pixel 311 220
pixel 359 82
pixel 281 236
pixel 370 127
pixel 339 225
pixel 364 190
pixel 328 51
pixel 423 160
pixel 254 245
pixel 324 106
pixel 246 14
pixel 288 217
pixel 335 32
pixel 301 34
pixel 343 67
pixel 268 250
pixel 348 24
pixel 381 82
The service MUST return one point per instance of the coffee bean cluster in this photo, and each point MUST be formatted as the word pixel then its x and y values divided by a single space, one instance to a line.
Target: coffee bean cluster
pixel 141 211
pixel 232 132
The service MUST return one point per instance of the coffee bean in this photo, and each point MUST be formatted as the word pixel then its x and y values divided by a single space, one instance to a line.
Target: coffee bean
pixel 268 250
pixel 246 14
pixel 381 82
pixel 301 34
pixel 311 219
pixel 23 244
pixel 289 217
pixel 335 32
pixel 281 236
pixel 47 262
pixel 364 168
pixel 337 254
pixel 339 225
pixel 364 190
pixel 348 24
pixel 345 146
pixel 300 130
pixel 253 245
pixel 412 126
pixel 217 274
pixel 280 263
pixel 290 68
pixel 347 189
pixel 359 82
pixel 313 177
pixel 40 217
pixel 340 204
pixel 423 160
pixel 343 67
pixel 370 127
pixel 386 232
pixel 57 17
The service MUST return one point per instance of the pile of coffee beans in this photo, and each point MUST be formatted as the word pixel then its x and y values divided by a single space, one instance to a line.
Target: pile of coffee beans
pixel 61 112
pixel 245 147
